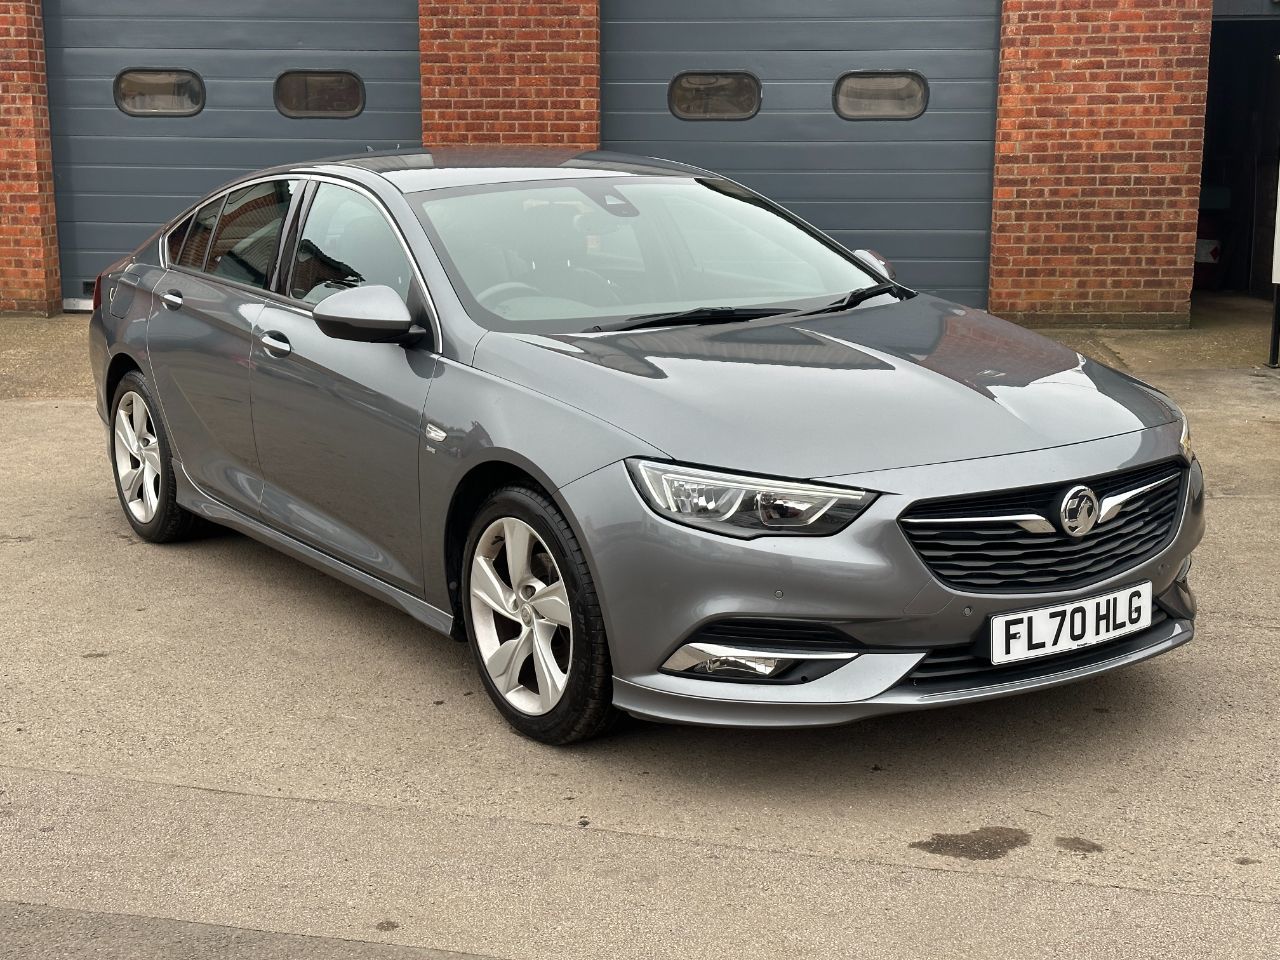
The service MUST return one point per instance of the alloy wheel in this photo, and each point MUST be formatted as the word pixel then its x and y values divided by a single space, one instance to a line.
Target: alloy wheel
pixel 137 457
pixel 521 617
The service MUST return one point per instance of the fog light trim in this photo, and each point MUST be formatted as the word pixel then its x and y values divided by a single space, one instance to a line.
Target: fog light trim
pixel 715 661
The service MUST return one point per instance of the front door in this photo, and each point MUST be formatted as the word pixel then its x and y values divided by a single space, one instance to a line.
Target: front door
pixel 338 422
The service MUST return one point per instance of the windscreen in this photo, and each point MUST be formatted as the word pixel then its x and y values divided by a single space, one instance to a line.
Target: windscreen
pixel 564 256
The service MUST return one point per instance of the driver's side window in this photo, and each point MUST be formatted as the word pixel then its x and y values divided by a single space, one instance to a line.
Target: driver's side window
pixel 346 242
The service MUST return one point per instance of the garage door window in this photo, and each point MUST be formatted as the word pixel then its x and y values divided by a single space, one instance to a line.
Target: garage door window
pixel 244 249
pixel 703 95
pixel 881 95
pixel 197 244
pixel 336 94
pixel 159 93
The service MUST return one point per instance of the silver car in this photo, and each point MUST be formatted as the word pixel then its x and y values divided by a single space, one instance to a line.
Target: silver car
pixel 644 440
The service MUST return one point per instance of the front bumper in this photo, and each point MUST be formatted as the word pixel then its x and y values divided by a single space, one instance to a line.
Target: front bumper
pixel 660 582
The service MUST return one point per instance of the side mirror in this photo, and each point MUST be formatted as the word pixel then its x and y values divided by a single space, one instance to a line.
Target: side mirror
pixel 372 314
pixel 876 262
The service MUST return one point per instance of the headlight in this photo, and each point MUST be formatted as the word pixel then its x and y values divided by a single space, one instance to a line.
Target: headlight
pixel 746 506
pixel 1185 442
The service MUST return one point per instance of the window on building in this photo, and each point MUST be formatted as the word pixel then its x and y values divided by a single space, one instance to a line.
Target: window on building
pixel 881 95
pixel 335 94
pixel 159 93
pixel 704 95
pixel 197 244
pixel 347 242
pixel 248 236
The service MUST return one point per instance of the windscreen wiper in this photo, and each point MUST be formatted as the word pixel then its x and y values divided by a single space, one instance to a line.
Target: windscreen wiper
pixel 696 315
pixel 859 296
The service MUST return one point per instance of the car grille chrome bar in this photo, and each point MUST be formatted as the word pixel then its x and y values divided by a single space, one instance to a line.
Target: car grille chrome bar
pixel 1030 522
pixel 987 544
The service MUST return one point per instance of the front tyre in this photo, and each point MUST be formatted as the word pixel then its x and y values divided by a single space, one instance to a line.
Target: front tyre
pixel 141 460
pixel 533 620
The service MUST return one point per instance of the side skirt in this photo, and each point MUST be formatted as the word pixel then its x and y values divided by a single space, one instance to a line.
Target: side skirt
pixel 192 498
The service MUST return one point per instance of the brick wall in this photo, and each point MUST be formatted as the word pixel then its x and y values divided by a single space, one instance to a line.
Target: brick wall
pixel 28 229
pixel 510 73
pixel 1098 140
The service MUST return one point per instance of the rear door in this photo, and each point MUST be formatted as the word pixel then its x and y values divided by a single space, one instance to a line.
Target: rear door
pixel 199 336
pixel 338 422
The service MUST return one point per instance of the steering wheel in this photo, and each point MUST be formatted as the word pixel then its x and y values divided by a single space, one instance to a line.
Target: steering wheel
pixel 500 293
pixel 607 294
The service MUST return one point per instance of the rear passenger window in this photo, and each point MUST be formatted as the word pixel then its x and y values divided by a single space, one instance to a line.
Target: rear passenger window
pixel 197 243
pixel 319 93
pixel 244 249
pixel 704 95
pixel 347 242
pixel 173 240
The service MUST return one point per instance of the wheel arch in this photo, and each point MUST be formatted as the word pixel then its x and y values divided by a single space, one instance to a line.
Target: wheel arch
pixel 119 366
pixel 477 484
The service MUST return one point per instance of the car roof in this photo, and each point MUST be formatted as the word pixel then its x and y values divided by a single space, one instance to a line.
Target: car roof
pixel 412 171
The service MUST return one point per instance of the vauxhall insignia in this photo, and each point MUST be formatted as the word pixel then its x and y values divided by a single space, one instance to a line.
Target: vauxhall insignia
pixel 1078 511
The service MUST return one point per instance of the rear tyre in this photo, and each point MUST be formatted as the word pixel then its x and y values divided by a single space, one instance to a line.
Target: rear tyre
pixel 141 460
pixel 533 620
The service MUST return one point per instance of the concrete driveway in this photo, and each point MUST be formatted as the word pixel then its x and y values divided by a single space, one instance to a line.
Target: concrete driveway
pixel 212 750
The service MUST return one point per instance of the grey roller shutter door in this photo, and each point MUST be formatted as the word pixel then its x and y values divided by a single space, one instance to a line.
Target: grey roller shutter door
pixel 118 177
pixel 919 191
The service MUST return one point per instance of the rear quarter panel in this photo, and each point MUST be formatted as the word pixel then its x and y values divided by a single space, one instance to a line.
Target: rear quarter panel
pixel 119 325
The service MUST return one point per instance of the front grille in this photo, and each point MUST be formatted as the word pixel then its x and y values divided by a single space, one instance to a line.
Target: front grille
pixel 1002 557
pixel 961 669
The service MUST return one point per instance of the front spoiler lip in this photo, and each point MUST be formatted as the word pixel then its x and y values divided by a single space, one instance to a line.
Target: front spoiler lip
pixel 653 703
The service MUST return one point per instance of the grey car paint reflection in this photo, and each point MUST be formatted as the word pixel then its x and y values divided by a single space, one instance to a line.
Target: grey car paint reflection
pixel 351 456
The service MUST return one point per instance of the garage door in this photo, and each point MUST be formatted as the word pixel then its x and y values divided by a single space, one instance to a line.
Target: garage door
pixel 810 83
pixel 152 104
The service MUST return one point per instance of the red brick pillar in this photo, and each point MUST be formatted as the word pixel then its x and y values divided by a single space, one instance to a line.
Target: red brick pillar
pixel 510 73
pixel 29 280
pixel 1097 178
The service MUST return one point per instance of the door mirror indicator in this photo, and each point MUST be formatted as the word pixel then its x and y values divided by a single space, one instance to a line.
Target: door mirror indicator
pixel 876 262
pixel 370 314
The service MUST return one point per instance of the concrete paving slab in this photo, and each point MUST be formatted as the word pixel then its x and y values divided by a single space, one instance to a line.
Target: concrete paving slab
pixel 44 357
pixel 49 933
pixel 524 890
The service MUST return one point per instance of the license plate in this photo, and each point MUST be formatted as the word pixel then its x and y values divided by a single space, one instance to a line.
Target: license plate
pixel 1069 626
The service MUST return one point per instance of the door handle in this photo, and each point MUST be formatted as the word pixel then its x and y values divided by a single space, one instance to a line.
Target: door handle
pixel 172 299
pixel 275 343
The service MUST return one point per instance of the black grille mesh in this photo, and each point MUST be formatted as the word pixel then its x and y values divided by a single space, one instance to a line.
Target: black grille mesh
pixel 1001 557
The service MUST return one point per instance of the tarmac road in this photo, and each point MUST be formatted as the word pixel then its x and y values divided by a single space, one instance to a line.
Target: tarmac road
pixel 210 749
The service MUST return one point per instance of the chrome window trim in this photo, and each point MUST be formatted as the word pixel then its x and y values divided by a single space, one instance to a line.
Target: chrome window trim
pixel 292 302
